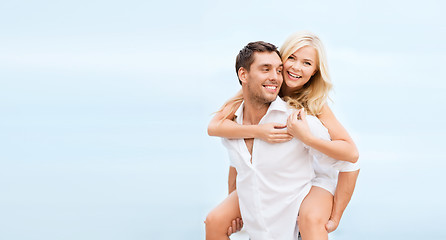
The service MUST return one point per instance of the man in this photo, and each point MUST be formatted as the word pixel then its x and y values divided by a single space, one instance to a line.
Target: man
pixel 273 179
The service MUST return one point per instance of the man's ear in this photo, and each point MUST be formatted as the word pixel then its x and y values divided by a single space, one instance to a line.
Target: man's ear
pixel 242 74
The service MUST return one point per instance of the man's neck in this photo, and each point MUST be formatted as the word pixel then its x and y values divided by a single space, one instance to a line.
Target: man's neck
pixel 253 112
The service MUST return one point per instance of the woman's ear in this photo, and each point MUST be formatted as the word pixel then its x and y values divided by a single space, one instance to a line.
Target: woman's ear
pixel 242 74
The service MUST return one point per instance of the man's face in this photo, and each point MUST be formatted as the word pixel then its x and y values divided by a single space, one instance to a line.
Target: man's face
pixel 264 78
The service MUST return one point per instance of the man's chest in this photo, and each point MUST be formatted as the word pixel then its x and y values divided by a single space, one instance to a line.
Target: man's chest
pixel 249 143
pixel 257 156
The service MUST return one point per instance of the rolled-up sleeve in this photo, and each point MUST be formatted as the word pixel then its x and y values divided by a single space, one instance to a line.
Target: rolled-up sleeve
pixel 326 168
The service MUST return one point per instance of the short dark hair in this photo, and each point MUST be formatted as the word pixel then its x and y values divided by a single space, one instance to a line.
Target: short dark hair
pixel 246 56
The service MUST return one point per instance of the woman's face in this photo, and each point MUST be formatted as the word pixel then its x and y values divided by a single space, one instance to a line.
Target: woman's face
pixel 299 68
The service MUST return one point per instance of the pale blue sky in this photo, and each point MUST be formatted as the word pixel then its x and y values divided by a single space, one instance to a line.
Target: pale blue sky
pixel 105 106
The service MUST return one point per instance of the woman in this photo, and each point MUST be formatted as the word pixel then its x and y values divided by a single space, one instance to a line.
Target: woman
pixel 306 86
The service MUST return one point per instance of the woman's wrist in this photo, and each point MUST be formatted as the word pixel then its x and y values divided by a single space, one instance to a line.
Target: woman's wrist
pixel 257 131
pixel 309 140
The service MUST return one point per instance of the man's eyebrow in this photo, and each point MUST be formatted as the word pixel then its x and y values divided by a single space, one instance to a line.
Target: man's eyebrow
pixel 269 65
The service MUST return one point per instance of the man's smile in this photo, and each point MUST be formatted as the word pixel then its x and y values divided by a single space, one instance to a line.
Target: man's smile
pixel 271 88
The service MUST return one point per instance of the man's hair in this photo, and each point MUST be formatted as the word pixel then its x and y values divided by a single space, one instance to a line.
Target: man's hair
pixel 246 56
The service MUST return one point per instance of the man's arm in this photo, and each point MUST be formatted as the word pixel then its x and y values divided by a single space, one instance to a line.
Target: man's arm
pixel 344 191
pixel 232 185
pixel 237 224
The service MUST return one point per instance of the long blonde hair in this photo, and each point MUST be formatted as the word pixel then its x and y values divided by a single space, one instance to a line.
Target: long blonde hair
pixel 313 95
pixel 232 103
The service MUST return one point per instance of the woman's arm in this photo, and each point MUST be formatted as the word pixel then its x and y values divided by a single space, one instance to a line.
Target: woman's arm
pixel 341 146
pixel 222 125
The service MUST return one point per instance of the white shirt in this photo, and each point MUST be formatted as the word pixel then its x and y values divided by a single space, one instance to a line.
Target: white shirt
pixel 272 187
pixel 325 167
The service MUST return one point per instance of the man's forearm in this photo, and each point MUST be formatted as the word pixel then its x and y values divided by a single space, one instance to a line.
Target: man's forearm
pixel 343 194
pixel 232 176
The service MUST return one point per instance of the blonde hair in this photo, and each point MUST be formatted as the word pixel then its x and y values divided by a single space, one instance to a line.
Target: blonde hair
pixel 313 95
pixel 232 103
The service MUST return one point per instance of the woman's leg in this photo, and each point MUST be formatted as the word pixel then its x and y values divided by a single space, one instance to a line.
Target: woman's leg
pixel 314 214
pixel 220 218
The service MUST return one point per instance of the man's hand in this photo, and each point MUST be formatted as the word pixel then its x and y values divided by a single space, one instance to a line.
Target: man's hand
pixel 331 225
pixel 237 225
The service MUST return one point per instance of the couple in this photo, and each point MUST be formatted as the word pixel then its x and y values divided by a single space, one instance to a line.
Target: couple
pixel 283 181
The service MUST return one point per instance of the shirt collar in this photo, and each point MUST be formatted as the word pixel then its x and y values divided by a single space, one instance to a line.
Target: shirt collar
pixel 239 113
pixel 276 105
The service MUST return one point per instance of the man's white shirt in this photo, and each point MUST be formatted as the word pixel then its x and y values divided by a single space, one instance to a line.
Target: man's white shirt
pixel 273 186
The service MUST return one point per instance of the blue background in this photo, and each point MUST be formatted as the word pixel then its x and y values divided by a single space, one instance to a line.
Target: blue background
pixel 104 107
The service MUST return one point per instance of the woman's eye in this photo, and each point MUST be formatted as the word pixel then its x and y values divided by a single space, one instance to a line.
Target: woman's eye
pixel 307 63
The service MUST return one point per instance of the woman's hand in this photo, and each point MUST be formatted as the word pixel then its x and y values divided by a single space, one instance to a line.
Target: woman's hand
pixel 298 126
pixel 273 133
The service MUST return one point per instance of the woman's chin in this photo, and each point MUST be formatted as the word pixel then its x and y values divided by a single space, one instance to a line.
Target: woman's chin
pixel 291 87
